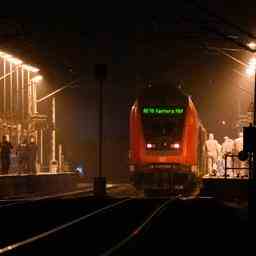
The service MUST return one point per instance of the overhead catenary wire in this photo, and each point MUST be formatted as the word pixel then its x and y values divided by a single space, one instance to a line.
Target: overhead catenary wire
pixel 221 19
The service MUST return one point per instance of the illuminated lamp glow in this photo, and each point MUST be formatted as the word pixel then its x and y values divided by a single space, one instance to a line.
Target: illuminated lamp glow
pixel 14 61
pixel 150 145
pixel 175 145
pixel 5 55
pixel 37 78
pixel 30 68
pixel 250 71
pixel 252 62
pixel 252 45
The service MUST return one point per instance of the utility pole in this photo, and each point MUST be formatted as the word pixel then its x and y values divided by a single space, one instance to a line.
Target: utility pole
pixel 53 162
pixel 254 123
pixel 100 127
pixel 254 114
pixel 100 72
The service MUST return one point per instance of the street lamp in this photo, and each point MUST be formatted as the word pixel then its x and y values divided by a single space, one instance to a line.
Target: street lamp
pixel 252 45
pixel 12 61
pixel 5 57
pixel 252 71
pixel 30 68
pixel 37 78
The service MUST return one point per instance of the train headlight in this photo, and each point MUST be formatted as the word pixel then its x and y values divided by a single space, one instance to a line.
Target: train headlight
pixel 150 145
pixel 175 145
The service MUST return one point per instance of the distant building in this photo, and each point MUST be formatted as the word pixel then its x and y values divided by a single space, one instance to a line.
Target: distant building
pixel 245 119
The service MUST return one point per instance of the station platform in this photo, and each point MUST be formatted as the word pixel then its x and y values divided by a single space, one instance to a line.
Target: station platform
pixel 225 188
pixel 17 185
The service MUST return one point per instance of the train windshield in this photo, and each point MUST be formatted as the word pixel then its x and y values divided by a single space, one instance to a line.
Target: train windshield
pixel 163 122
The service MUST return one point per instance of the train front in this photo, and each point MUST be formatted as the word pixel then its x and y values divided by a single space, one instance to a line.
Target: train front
pixel 163 138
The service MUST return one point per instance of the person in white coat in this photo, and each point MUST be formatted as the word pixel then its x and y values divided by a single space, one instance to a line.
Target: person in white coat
pixel 211 148
pixel 220 165
pixel 227 149
pixel 238 147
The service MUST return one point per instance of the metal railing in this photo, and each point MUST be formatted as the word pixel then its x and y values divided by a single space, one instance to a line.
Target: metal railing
pixel 233 166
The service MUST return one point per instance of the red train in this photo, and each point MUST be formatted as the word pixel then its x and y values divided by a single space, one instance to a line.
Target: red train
pixel 166 139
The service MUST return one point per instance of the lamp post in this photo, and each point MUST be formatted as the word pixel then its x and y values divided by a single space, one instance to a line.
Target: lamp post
pixel 5 57
pixel 22 94
pixel 254 123
pixel 251 70
pixel 33 98
pixel 100 73
pixel 13 61
pixel 4 101
pixel 28 89
pixel 34 82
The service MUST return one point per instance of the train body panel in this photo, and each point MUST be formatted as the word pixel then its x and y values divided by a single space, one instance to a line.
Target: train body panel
pixel 165 134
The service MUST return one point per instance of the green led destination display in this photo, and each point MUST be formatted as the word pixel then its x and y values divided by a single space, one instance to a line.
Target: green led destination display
pixel 162 110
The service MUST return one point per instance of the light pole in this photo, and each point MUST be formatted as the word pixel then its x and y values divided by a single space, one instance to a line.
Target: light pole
pixel 100 73
pixel 34 82
pixel 17 90
pixel 29 70
pixel 5 57
pixel 10 65
pixel 4 101
pixel 22 94
pixel 252 71
pixel 29 93
pixel 4 94
pixel 13 61
pixel 33 98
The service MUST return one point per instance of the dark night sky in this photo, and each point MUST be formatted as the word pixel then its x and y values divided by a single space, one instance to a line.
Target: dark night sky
pixel 151 44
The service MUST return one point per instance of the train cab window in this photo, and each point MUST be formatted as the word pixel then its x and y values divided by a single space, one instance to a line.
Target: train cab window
pixel 157 126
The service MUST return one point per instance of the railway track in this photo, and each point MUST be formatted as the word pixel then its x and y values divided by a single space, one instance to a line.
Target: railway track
pixel 128 226
pixel 95 232
pixel 109 226
pixel 22 222
pixel 22 218
pixel 190 225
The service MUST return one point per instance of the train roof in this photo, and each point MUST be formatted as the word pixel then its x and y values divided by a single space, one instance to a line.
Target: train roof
pixel 162 94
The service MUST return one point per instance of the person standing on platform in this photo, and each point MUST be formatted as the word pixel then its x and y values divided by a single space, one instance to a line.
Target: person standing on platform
pixel 238 147
pixel 227 149
pixel 211 148
pixel 32 155
pixel 220 170
pixel 5 148
pixel 23 156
